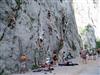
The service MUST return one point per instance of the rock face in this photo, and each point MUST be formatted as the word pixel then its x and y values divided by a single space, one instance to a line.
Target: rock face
pixel 88 37
pixel 87 13
pixel 35 28
pixel 85 16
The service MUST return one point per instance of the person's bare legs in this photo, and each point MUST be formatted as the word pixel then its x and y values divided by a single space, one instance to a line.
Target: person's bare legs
pixel 84 60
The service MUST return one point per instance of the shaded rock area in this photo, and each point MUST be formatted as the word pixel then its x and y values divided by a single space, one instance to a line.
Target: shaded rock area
pixel 36 28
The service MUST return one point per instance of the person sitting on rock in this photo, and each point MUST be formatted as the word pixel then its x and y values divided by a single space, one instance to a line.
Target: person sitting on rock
pixel 69 56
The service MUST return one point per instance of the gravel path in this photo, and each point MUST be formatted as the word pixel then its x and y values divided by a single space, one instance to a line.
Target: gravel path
pixel 91 68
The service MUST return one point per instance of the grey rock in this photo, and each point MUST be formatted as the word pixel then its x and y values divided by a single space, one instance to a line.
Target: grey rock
pixel 36 28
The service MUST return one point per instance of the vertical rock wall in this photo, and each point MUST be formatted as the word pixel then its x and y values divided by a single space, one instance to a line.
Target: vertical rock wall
pixel 87 16
pixel 35 28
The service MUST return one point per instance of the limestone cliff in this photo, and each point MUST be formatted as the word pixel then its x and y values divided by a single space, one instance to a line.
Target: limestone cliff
pixel 87 16
pixel 35 28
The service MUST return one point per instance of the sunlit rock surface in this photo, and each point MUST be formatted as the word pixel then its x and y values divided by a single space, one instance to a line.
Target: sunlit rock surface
pixel 35 28
pixel 88 37
pixel 87 13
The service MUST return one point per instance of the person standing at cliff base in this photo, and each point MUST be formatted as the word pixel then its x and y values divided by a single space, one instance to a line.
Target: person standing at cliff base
pixel 55 59
pixel 83 55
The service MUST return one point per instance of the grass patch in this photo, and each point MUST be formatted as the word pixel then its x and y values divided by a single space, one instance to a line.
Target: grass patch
pixel 35 67
pixel 98 43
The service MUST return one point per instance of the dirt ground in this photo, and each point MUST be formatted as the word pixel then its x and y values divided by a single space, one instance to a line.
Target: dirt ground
pixel 91 68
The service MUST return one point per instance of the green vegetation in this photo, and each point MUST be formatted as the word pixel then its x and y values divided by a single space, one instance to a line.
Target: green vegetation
pixel 34 67
pixel 85 46
pixel 85 29
pixel 2 72
pixel 98 43
pixel 19 2
pixel 60 44
pixel 82 31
